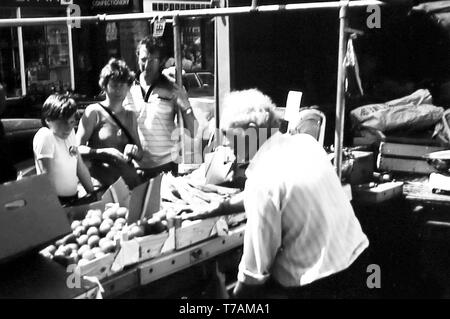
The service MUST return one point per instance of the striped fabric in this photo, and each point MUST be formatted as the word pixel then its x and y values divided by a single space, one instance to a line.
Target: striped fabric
pixel 300 224
pixel 155 126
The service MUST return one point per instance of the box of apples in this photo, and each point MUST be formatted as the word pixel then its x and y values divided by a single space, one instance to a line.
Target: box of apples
pixel 103 243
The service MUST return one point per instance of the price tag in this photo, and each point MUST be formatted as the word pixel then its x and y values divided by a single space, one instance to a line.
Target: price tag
pixel 158 28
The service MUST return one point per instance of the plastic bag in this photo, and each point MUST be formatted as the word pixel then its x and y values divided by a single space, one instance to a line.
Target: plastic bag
pixel 442 129
pixel 412 111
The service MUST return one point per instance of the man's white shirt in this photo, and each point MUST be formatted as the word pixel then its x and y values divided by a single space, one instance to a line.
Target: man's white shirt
pixel 300 224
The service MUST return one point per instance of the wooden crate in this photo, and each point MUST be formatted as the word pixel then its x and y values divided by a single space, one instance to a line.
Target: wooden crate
pixel 199 230
pixel 236 219
pixel 143 248
pixel 407 150
pixel 99 267
pixel 406 158
pixel 396 164
pixel 378 193
pixel 153 246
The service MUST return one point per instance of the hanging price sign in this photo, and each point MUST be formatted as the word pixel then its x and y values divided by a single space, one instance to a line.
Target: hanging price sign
pixel 158 27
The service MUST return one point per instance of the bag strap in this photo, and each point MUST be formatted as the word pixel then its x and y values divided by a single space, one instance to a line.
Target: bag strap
pixel 149 91
pixel 121 126
pixel 146 95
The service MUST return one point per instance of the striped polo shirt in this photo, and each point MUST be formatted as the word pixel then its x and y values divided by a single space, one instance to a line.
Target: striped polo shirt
pixel 300 224
pixel 156 126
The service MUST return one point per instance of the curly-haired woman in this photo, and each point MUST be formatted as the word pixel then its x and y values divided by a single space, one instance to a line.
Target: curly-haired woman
pixel 107 133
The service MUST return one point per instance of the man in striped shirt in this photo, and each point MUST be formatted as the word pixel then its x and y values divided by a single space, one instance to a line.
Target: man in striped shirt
pixel 300 226
pixel 156 99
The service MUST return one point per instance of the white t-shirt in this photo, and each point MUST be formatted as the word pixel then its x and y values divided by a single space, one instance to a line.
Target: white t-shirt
pixel 156 127
pixel 64 164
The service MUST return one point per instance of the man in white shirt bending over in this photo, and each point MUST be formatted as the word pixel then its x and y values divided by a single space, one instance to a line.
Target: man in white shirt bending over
pixel 300 226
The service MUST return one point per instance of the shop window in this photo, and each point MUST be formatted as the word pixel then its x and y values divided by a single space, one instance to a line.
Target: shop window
pixel 46 52
pixel 192 45
pixel 9 58
pixel 46 55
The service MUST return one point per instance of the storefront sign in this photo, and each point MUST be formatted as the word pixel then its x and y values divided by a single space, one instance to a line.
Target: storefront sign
pixel 32 3
pixel 111 5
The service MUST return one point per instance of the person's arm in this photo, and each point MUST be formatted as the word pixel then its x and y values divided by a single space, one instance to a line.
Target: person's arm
pixel 83 175
pixel 45 165
pixel 182 101
pixel 244 291
pixel 229 206
pixel 85 129
pixel 44 150
pixel 137 152
pixel 262 238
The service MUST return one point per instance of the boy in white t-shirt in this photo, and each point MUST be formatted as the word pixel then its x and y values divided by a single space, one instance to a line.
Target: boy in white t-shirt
pixel 55 148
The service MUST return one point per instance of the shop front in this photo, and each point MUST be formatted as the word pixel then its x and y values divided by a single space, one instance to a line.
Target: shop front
pixel 36 61
pixel 95 44
pixel 197 34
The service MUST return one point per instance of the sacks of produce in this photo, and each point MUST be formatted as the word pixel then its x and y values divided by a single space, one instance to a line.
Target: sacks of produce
pixel 411 112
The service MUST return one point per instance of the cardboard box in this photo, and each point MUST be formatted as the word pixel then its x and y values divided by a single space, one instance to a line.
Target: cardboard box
pixel 363 166
pixel 407 158
pixel 143 201
pixel 377 193
pixel 406 165
pixel 116 193
pixel 199 230
pixel 407 150
pixel 99 267
pixel 153 246
pixel 30 216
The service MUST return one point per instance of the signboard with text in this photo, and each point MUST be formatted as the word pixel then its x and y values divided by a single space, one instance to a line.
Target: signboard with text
pixel 111 5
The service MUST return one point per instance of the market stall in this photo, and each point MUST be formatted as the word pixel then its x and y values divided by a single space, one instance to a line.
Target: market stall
pixel 151 242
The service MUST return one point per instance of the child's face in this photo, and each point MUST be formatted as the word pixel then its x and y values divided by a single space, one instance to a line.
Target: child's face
pixel 62 128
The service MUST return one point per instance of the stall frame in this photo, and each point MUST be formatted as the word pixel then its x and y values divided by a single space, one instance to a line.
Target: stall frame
pixel 154 269
pixel 342 5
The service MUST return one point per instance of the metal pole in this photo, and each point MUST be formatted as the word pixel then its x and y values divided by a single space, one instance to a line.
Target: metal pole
pixel 21 55
pixel 48 21
pixel 188 13
pixel 217 135
pixel 340 95
pixel 179 76
pixel 254 4
pixel 71 64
